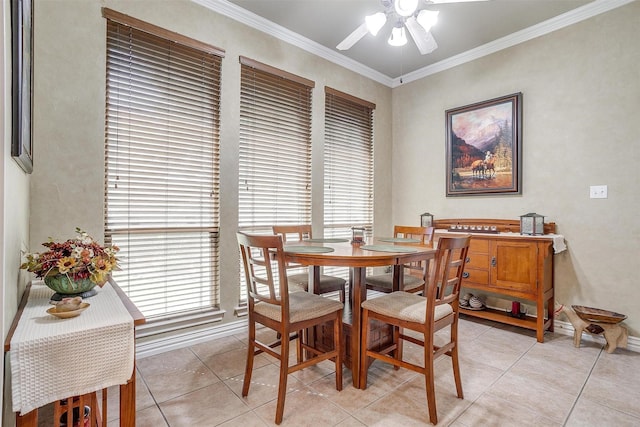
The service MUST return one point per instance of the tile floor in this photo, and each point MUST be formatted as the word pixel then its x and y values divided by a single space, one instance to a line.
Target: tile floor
pixel 508 379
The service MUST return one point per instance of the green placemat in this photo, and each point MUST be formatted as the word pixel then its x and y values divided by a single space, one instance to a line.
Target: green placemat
pixel 388 248
pixel 328 240
pixel 398 240
pixel 308 249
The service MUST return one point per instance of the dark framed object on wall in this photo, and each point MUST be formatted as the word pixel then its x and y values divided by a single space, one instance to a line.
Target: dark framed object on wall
pixel 22 80
pixel 484 147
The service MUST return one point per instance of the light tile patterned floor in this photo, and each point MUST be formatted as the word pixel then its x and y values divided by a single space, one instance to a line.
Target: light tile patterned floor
pixel 508 379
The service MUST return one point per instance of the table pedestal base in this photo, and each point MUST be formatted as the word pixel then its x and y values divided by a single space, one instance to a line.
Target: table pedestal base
pixel 380 333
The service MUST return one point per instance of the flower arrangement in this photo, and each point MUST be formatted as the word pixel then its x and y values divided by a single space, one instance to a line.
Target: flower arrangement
pixel 79 259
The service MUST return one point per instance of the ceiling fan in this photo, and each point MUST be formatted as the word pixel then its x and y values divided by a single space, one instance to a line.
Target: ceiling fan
pixel 403 14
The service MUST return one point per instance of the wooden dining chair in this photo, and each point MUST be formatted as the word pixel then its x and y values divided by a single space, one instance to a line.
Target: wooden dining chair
pixel 272 305
pixel 426 315
pixel 414 273
pixel 327 283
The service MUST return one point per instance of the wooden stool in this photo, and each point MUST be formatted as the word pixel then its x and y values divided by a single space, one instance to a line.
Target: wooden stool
pixel 73 409
pixel 596 321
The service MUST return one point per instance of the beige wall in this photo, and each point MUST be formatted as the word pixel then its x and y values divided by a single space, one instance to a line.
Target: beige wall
pixel 67 189
pixel 581 92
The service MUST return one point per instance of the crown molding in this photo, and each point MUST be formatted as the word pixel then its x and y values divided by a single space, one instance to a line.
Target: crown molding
pixel 259 23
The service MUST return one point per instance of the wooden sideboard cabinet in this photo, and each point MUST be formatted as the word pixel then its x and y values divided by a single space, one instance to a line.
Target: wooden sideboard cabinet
pixel 513 267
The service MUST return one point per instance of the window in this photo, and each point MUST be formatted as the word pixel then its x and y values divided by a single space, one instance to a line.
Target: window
pixel 162 166
pixel 348 164
pixel 275 149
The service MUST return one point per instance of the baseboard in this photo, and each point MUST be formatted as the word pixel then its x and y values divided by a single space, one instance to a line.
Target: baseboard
pixel 566 328
pixel 150 346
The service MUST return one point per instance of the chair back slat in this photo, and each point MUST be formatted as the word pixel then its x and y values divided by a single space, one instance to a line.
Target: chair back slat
pixel 446 276
pixel 425 235
pixel 296 232
pixel 299 232
pixel 264 265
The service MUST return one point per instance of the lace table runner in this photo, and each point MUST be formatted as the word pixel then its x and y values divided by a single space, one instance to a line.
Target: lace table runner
pixel 53 359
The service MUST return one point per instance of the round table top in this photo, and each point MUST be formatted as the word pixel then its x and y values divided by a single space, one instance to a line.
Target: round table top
pixel 345 254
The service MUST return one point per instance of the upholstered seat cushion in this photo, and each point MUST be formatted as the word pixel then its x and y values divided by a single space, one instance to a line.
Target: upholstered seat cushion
pixel 302 306
pixel 405 306
pixel 386 281
pixel 296 287
pixel 326 282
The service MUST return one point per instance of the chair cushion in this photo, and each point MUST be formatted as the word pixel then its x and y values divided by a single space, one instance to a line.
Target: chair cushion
pixel 302 306
pixel 327 283
pixel 296 287
pixel 386 281
pixel 405 306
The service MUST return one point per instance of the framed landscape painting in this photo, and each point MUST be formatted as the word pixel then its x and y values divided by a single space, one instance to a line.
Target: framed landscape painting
pixel 484 147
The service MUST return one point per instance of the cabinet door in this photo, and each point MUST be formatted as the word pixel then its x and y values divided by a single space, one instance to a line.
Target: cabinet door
pixel 514 266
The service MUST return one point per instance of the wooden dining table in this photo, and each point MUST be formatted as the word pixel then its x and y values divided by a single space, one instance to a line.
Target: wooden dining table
pixel 378 252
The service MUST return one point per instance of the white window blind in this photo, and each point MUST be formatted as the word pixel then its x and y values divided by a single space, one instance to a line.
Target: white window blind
pixel 275 149
pixel 162 166
pixel 348 164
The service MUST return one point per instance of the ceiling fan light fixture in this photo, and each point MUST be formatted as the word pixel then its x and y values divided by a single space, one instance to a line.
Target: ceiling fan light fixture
pixel 398 37
pixel 427 18
pixel 405 7
pixel 375 22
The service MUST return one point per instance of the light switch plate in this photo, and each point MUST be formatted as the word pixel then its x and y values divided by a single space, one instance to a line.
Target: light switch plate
pixel 598 191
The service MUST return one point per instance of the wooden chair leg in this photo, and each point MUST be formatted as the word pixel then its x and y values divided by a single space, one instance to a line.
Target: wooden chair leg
pixel 455 360
pixel 397 353
pixel 363 349
pixel 337 339
pixel 456 372
pixel 430 384
pixel 282 383
pixel 250 355
pixel 302 335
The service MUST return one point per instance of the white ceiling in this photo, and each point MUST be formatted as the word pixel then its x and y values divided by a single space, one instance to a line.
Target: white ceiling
pixel 464 31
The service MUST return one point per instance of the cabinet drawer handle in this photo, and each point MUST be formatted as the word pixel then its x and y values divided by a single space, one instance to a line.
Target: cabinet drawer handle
pixel 465 275
pixel 468 259
pixel 493 261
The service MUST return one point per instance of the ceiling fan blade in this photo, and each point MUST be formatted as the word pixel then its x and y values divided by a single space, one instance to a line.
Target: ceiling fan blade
pixel 423 39
pixel 352 38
